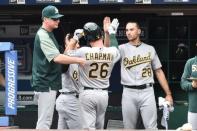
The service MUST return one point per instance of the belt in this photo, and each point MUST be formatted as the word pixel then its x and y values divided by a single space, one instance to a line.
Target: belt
pixel 89 88
pixel 140 87
pixel 67 93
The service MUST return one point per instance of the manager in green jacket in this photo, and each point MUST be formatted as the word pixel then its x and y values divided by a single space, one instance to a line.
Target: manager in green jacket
pixel 189 84
pixel 46 70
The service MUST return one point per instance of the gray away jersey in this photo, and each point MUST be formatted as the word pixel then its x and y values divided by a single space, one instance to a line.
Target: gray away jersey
pixel 98 67
pixel 70 79
pixel 138 63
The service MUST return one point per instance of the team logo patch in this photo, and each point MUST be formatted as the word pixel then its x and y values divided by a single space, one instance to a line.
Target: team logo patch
pixel 56 11
pixel 136 60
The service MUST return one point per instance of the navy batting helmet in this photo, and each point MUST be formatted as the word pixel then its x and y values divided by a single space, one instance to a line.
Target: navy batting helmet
pixel 92 31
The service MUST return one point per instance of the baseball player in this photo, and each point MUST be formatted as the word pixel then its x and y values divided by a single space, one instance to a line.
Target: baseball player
pixel 138 61
pixel 46 68
pixel 189 84
pixel 67 104
pixel 95 75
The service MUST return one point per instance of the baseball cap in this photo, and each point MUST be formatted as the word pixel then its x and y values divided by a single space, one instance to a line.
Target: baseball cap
pixel 51 12
pixel 194 74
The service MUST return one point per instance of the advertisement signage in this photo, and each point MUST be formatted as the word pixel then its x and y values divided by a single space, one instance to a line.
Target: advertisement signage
pixel 11 64
pixel 16 1
pixel 176 1
pixel 79 1
pixel 142 1
pixel 95 2
pixel 111 1
pixel 48 1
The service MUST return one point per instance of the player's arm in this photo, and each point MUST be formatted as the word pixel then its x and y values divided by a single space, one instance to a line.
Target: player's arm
pixel 185 83
pixel 164 84
pixel 106 40
pixel 112 33
pixel 110 40
pixel 106 24
pixel 71 43
pixel 113 41
pixel 53 54
pixel 64 59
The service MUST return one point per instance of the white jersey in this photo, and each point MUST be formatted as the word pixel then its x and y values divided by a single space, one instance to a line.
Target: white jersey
pixel 98 67
pixel 70 79
pixel 138 63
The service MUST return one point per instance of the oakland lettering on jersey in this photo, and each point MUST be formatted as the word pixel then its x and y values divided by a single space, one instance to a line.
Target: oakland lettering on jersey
pixel 11 84
pixel 136 60
pixel 99 56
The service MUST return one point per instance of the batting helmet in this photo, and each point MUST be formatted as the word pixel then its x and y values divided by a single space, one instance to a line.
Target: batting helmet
pixel 92 31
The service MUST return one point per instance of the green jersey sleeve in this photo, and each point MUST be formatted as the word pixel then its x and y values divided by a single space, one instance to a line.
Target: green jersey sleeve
pixel 185 83
pixel 48 47
pixel 113 40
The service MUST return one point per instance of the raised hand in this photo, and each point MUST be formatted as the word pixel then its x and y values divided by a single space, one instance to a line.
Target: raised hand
pixel 113 26
pixel 78 34
pixel 106 24
pixel 66 39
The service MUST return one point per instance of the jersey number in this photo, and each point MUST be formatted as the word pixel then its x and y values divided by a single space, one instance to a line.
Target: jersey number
pixel 98 70
pixel 75 75
pixel 146 72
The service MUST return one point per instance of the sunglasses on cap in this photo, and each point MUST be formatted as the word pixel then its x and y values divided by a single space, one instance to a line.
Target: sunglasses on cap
pixel 55 19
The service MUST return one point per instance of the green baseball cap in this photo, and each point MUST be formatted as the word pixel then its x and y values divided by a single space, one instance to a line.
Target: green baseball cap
pixel 194 74
pixel 51 12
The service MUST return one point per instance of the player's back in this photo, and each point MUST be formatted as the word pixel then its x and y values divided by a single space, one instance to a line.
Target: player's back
pixel 99 65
